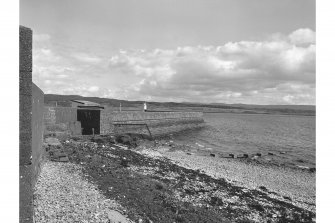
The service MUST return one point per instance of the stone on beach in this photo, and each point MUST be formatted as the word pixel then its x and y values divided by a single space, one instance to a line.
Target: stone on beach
pixel 242 156
pixel 280 180
pixel 116 217
pixel 64 195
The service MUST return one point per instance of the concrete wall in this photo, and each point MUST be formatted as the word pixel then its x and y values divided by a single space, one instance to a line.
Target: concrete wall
pixel 53 116
pixel 37 130
pixel 159 123
pixel 49 115
pixel 56 115
pixel 31 102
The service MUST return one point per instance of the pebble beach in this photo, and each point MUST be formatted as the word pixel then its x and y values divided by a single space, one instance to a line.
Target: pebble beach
pixel 160 181
pixel 293 185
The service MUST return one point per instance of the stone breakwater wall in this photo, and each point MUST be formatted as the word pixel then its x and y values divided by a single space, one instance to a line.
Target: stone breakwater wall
pixel 158 123
pixel 31 106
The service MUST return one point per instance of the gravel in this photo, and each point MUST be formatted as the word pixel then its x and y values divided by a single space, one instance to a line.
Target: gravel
pixel 62 194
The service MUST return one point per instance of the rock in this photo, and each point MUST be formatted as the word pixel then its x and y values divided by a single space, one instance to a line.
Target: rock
pixel 61 155
pixel 271 154
pixel 52 141
pixel 124 162
pixel 300 161
pixel 212 154
pixel 242 156
pixel 116 217
pixel 312 169
pixel 215 201
pixel 287 198
pixel 263 188
pixel 226 155
pixel 231 155
pixel 124 139
pixel 258 154
pixel 303 167
pixel 64 159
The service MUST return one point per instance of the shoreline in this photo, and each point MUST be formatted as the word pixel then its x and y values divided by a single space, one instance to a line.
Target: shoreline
pixel 154 182
pixel 293 185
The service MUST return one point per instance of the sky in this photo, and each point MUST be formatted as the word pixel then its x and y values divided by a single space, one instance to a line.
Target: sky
pixel 207 51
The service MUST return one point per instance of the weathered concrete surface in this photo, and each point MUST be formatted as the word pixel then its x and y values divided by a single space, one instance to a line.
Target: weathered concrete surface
pixel 49 115
pixel 25 105
pixel 37 131
pixel 74 127
pixel 26 195
pixel 159 123
pixel 56 115
pixel 31 102
pixel 26 39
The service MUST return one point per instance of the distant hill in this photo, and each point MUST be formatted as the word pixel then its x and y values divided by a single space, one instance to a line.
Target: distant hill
pixel 295 107
pixel 113 104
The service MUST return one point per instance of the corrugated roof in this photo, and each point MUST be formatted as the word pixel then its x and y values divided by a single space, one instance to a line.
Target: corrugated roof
pixel 87 103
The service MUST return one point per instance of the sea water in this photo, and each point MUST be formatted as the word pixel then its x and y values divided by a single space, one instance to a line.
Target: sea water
pixel 290 138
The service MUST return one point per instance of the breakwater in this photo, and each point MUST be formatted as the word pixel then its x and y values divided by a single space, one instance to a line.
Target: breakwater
pixel 158 123
pixel 113 122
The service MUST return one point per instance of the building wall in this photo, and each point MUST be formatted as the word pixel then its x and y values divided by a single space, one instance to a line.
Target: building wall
pixel 31 103
pixel 65 114
pixel 159 123
pixel 49 115
pixel 37 130
pixel 25 106
pixel 75 104
pixel 56 115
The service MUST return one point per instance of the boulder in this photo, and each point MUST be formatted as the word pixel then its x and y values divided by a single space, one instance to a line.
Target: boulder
pixel 64 159
pixel 242 156
pixel 116 217
pixel 226 155
pixel 312 169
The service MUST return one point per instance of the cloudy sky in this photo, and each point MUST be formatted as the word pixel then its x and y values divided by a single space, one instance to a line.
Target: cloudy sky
pixel 224 51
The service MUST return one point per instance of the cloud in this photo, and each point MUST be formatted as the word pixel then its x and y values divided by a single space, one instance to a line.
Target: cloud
pixel 93 89
pixel 86 58
pixel 41 37
pixel 302 36
pixel 280 70
pixel 226 73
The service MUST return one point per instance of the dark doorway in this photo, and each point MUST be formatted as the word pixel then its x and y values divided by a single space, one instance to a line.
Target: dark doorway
pixel 90 119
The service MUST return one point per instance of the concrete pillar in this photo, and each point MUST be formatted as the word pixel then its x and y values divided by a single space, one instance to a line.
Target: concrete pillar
pixel 25 100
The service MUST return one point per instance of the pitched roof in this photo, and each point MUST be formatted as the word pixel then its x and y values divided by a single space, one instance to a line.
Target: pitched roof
pixel 87 103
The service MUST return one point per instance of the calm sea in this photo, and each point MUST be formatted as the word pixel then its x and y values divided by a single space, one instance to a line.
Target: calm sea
pixel 290 138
